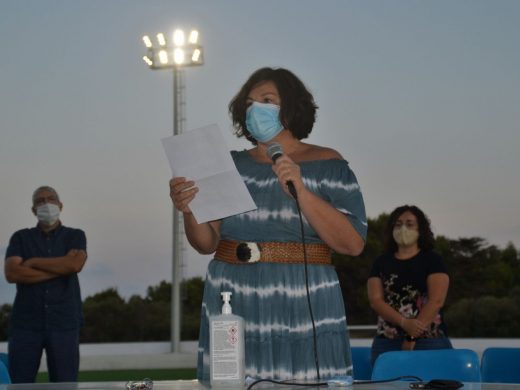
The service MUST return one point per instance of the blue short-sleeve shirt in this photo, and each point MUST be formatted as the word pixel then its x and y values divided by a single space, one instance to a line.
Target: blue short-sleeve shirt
pixel 54 304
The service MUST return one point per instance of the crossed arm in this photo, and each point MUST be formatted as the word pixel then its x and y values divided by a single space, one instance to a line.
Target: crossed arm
pixel 39 269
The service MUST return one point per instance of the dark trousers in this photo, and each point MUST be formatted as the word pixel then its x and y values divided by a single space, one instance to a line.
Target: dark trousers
pixel 26 348
pixel 382 344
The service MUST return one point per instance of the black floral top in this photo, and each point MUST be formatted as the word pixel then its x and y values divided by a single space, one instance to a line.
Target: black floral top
pixel 406 290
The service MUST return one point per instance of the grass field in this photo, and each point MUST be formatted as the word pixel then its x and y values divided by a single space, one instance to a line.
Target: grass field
pixel 129 375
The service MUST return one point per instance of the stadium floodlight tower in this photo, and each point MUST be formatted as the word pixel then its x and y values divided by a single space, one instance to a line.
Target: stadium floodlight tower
pixel 175 54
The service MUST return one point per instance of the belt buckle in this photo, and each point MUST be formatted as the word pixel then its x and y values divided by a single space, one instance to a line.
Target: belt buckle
pixel 248 252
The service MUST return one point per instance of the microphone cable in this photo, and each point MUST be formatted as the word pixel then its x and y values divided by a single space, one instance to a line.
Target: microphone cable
pixel 275 151
pixel 314 337
pixel 287 383
pixel 250 383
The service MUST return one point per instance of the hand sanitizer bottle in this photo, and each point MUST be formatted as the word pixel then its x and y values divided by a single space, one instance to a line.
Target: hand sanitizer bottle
pixel 226 347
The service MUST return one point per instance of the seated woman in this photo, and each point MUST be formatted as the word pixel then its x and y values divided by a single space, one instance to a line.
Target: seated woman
pixel 407 286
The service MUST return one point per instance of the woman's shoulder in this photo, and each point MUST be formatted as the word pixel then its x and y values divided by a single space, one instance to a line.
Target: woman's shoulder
pixel 384 257
pixel 430 255
pixel 316 152
pixel 306 153
pixel 240 155
pixel 433 261
pixel 382 264
pixel 242 152
pixel 326 164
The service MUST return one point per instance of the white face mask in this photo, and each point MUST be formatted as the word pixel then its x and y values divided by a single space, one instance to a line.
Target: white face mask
pixel 48 213
pixel 405 236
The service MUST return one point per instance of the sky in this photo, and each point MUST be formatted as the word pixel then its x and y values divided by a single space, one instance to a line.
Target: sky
pixel 421 97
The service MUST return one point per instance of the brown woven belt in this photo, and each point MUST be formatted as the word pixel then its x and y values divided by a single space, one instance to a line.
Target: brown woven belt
pixel 238 252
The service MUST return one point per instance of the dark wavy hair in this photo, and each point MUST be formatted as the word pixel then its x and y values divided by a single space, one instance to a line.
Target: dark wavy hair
pixel 297 107
pixel 426 240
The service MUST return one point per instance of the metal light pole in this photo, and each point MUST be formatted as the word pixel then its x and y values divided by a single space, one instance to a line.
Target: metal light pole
pixel 175 54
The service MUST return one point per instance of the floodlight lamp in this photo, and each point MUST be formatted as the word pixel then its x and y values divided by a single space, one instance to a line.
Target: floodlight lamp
pixel 178 37
pixel 178 56
pixel 163 57
pixel 148 61
pixel 161 40
pixel 147 41
pixel 195 57
pixel 194 37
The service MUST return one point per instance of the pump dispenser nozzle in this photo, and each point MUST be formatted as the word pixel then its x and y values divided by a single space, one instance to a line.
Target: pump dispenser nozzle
pixel 226 297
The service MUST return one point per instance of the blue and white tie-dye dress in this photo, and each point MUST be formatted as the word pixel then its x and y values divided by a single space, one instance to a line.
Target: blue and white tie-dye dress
pixel 271 297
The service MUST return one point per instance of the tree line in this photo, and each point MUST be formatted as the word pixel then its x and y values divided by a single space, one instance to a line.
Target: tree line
pixel 483 298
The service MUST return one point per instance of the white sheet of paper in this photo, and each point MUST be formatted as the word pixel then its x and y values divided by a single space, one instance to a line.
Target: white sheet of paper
pixel 201 155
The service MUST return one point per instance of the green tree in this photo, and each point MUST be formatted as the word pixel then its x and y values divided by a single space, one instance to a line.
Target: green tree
pixel 486 316
pixel 160 293
pixel 510 255
pixel 193 290
pixel 109 318
pixel 106 318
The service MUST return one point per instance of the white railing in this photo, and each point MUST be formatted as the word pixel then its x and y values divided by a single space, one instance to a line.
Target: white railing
pixel 156 355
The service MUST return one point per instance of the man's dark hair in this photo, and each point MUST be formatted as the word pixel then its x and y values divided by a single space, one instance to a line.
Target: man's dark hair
pixel 297 107
pixel 426 240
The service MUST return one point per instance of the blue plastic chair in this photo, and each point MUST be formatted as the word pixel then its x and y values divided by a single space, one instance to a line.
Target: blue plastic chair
pixel 361 362
pixel 501 365
pixel 4 373
pixel 457 364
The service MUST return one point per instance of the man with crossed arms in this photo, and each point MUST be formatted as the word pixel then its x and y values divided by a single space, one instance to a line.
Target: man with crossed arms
pixel 44 262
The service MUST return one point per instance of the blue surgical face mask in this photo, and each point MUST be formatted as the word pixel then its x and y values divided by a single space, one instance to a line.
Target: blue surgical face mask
pixel 263 121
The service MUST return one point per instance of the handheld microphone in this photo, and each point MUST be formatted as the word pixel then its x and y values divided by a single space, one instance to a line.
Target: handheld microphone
pixel 275 151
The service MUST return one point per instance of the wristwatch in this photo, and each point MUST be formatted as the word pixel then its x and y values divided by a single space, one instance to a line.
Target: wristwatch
pixel 410 338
